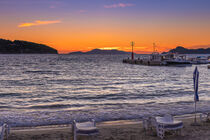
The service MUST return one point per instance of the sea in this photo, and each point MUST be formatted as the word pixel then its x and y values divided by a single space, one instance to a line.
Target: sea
pixel 37 90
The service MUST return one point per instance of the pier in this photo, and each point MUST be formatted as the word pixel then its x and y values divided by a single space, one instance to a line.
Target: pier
pixel 144 62
pixel 155 59
pixel 167 59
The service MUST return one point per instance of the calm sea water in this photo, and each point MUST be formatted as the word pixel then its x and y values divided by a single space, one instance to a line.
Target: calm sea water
pixel 55 89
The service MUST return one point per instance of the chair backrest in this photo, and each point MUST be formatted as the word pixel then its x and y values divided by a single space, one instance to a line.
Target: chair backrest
pixel 85 124
pixel 153 121
pixel 168 117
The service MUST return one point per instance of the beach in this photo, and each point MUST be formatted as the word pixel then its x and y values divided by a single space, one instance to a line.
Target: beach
pixel 41 95
pixel 42 90
pixel 114 130
pixel 123 68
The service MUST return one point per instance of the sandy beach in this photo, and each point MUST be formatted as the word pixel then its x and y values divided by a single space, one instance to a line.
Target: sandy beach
pixel 115 130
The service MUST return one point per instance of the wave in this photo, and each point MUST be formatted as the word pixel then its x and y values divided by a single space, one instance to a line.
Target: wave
pixel 111 113
pixel 10 94
pixel 5 107
pixel 42 72
pixel 54 106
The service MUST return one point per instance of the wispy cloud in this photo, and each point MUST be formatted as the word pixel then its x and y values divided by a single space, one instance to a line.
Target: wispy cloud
pixel 82 11
pixel 52 6
pixel 119 5
pixel 37 23
pixel 109 48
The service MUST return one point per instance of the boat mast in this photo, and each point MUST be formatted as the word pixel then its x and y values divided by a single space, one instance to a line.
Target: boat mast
pixel 154 46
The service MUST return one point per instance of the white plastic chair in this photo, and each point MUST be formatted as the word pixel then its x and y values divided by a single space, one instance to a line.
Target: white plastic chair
pixel 167 123
pixel 84 128
pixel 4 130
pixel 204 117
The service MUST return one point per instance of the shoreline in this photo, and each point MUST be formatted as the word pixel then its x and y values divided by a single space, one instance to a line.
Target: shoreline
pixel 111 130
pixel 110 122
pixel 36 119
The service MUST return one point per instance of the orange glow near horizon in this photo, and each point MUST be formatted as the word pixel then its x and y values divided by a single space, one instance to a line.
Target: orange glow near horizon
pixel 70 26
pixel 109 33
pixel 109 48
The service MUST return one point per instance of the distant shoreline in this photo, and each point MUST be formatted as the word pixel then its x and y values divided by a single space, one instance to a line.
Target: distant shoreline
pixel 179 50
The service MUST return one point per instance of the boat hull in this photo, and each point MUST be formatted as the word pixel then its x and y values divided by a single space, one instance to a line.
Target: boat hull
pixel 178 63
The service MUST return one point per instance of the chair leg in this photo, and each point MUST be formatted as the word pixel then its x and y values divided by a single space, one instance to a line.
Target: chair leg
pixel 6 134
pixel 93 137
pixel 97 137
pixel 2 134
pixel 160 131
pixel 74 133
pixel 75 136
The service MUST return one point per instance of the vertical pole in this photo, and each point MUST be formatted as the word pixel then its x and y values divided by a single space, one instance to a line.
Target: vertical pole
pixel 132 51
pixel 153 47
pixel 195 113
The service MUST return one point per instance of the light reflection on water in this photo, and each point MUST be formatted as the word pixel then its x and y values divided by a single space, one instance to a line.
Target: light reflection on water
pixel 100 86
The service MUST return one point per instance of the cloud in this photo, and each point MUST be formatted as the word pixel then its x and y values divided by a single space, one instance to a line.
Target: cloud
pixel 119 5
pixel 52 7
pixel 82 11
pixel 109 48
pixel 37 23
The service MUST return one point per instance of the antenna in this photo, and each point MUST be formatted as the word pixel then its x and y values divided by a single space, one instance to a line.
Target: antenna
pixel 154 47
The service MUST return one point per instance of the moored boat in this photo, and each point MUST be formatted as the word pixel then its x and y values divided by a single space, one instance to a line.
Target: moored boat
pixel 173 59
pixel 178 62
pixel 199 60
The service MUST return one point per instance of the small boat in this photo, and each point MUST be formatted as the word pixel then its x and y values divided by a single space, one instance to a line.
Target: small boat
pixel 172 59
pixel 178 62
pixel 199 60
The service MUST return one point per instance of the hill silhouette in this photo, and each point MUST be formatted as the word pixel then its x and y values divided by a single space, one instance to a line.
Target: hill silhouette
pixel 24 47
pixel 182 50
pixel 99 51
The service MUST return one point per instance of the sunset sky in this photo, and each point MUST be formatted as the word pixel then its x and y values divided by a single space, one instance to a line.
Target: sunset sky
pixel 83 25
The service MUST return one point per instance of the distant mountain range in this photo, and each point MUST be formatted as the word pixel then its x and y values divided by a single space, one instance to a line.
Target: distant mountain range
pixel 24 47
pixel 99 51
pixel 179 49
pixel 182 50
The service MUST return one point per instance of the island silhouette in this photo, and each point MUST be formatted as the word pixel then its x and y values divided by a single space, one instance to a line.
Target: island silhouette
pixel 182 50
pixel 100 51
pixel 24 47
pixel 178 49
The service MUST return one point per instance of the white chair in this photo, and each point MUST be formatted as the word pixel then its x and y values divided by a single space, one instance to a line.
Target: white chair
pixel 204 117
pixel 84 128
pixel 166 123
pixel 148 123
pixel 4 130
